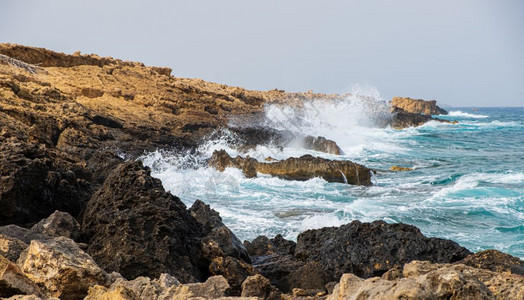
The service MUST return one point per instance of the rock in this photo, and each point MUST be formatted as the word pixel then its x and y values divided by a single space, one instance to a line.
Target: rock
pixel 59 265
pixel 402 119
pixel 218 240
pixel 11 247
pixel 276 267
pixel 264 246
pixel 13 281
pixel 424 280
pixel 370 249
pixel 400 169
pixel 302 168
pixel 137 229
pixel 418 106
pixel 58 224
pixel 260 287
pixel 234 271
pixel 310 277
pixel 322 144
pixel 214 287
pixel 23 234
pixel 27 297
pixel 495 261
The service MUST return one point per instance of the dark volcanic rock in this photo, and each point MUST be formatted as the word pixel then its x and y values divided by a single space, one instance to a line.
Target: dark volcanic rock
pixel 262 245
pixel 234 270
pixel 403 119
pixel 370 249
pixel 301 168
pixel 137 229
pixel 495 261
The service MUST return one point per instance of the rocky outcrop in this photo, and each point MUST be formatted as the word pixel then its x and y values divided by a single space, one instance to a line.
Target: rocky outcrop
pixel 61 267
pixel 424 280
pixel 495 261
pixel 370 249
pixel 301 168
pixel 418 106
pixel 13 281
pixel 135 228
pixel 402 119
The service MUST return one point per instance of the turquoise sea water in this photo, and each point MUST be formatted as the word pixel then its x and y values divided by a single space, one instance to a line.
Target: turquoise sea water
pixel 467 182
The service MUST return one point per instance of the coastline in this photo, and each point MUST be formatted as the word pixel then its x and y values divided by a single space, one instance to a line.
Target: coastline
pixel 64 132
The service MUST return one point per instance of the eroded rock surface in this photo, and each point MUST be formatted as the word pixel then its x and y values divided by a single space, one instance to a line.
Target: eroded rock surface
pixel 13 281
pixel 301 168
pixel 418 106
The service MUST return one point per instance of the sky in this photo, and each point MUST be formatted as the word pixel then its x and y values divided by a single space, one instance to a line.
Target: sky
pixel 460 53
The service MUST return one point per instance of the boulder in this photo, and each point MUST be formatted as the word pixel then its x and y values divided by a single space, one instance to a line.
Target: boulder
pixel 302 168
pixel 260 287
pixel 424 280
pixel 11 247
pixel 418 106
pixel 495 261
pixel 322 144
pixel 262 245
pixel 13 281
pixel 234 271
pixel 61 267
pixel 218 240
pixel 370 249
pixel 23 234
pixel 58 224
pixel 311 277
pixel 134 227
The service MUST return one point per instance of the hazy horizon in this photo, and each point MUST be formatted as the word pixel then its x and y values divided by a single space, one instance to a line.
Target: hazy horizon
pixel 461 53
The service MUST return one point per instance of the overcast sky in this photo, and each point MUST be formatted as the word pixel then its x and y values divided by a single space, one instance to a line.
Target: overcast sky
pixel 461 53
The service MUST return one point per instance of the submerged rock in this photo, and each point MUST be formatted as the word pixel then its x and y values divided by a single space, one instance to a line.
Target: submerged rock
pixel 370 249
pixel 418 106
pixel 424 280
pixel 301 168
pixel 400 168
pixel 137 229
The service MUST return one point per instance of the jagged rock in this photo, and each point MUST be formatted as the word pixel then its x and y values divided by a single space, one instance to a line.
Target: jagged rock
pixel 322 144
pixel 13 281
pixel 235 271
pixel 59 265
pixel 302 168
pixel 27 297
pixel 265 246
pixel 11 247
pixel 402 119
pixel 260 287
pixel 58 224
pixel 495 261
pixel 23 234
pixel 214 287
pixel 370 249
pixel 218 240
pixel 137 229
pixel 418 106
pixel 310 277
pixel 424 280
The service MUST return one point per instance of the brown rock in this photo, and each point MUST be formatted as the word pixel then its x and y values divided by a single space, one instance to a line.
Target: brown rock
pixel 59 265
pixel 418 106
pixel 11 247
pixel 58 224
pixel 495 261
pixel 235 271
pixel 400 168
pixel 302 168
pixel 322 144
pixel 260 287
pixel 13 281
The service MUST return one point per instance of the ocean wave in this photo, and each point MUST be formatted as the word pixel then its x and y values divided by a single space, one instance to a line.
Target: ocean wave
pixel 459 113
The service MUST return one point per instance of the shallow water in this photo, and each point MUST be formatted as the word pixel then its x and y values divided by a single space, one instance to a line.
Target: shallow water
pixel 467 184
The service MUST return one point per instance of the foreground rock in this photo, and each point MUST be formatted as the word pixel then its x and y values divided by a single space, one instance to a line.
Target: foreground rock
pixel 371 249
pixel 61 267
pixel 302 168
pixel 13 281
pixel 495 261
pixel 135 228
pixel 418 106
pixel 424 280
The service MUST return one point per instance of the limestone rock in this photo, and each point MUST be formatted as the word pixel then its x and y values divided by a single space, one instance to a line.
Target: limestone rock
pixel 58 224
pixel 400 168
pixel 424 280
pixel 13 281
pixel 322 144
pixel 418 106
pixel 260 287
pixel 234 271
pixel 370 249
pixel 302 168
pixel 137 229
pixel 11 247
pixel 59 265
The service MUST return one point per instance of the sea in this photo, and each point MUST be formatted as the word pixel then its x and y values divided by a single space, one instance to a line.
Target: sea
pixel 466 182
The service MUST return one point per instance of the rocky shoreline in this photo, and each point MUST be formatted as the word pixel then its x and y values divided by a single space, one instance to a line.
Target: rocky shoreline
pixel 77 220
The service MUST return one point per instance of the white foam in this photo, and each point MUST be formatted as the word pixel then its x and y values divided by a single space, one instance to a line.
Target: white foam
pixel 458 113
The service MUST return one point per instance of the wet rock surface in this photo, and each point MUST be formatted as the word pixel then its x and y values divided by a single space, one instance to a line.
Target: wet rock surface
pixel 301 168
